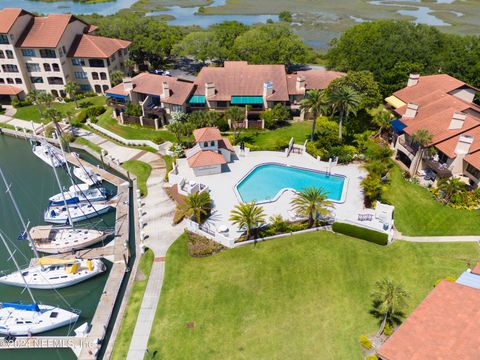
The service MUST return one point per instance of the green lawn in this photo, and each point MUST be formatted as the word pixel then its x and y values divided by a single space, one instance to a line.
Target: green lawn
pixel 277 139
pixel 142 171
pixel 133 132
pixel 301 297
pixel 125 333
pixel 31 112
pixel 88 143
pixel 418 213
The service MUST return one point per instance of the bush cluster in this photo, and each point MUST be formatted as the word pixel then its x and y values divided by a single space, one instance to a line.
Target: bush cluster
pixel 365 342
pixel 17 103
pixel 199 246
pixel 360 233
pixel 278 225
pixel 86 95
pixel 94 111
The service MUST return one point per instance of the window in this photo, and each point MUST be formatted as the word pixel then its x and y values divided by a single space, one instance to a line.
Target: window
pixel 9 81
pixel 98 89
pixel 103 76
pixel 55 67
pixel 2 81
pixel 36 80
pixel 3 39
pixel 10 68
pixel 85 88
pixel 212 143
pixel 113 57
pixel 32 67
pixel 473 171
pixel 222 104
pixel 60 52
pixel 48 53
pixel 28 52
pixel 2 55
pixel 18 81
pixel 78 62
pixel 442 158
pixel 105 88
pixel 53 80
pixel 47 67
pixel 94 75
pixel 55 93
pixel 64 50
pixel 96 63
pixel 9 54
pixel 80 75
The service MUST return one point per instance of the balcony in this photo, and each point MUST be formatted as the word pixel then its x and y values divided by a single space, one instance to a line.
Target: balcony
pixel 407 146
pixel 440 169
pixel 55 81
pixel 116 103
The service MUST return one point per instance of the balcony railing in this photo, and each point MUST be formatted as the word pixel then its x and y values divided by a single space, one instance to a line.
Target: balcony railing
pixel 440 169
pixel 115 103
pixel 407 146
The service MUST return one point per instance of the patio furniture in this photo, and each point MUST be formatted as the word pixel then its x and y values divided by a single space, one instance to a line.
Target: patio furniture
pixel 222 229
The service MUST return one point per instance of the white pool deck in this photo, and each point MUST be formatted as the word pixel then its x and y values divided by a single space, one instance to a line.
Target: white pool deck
pixel 224 196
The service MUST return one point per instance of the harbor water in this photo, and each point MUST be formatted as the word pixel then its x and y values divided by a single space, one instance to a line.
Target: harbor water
pixel 33 182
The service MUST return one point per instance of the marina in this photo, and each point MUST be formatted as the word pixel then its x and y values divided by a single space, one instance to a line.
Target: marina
pixel 108 290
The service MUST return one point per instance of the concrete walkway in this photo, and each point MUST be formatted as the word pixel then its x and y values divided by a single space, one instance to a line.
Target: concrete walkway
pixel 433 239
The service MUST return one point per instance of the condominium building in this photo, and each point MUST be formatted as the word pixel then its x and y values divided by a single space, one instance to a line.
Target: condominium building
pixel 45 52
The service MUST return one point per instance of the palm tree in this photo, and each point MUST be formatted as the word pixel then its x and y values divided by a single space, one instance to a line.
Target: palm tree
pixel 34 97
pixel 248 216
pixel 53 115
pixel 382 120
pixel 236 115
pixel 116 77
pixel 346 101
pixel 373 188
pixel 451 187
pixel 46 99
pixel 316 103
pixel 310 202
pixel 72 89
pixel 129 65
pixel 423 138
pixel 197 205
pixel 389 299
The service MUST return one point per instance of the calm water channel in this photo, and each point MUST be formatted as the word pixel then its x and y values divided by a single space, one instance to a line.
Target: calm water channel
pixel 32 183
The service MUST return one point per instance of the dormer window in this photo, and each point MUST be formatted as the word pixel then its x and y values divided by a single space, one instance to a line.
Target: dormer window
pixel 212 143
pixel 205 144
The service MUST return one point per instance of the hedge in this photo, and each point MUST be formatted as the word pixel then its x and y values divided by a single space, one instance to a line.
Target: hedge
pixel 376 237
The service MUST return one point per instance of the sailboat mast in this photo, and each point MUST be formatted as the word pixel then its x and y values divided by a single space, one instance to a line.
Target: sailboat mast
pixel 19 214
pixel 65 158
pixel 60 187
pixel 18 267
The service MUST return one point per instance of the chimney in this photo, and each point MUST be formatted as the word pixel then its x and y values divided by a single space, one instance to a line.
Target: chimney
pixel 463 145
pixel 411 111
pixel 267 89
pixel 209 89
pixel 127 85
pixel 457 121
pixel 413 80
pixel 301 83
pixel 166 90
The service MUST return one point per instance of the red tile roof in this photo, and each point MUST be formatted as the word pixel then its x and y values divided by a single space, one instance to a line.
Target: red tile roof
pixel 152 84
pixel 207 134
pixel 206 158
pixel 46 32
pixel 238 78
pixel 446 325
pixel 9 90
pixel 314 79
pixel 8 16
pixel 92 46
pixel 476 269
pixel 226 144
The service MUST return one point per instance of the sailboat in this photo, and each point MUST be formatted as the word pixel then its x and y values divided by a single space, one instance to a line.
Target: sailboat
pixel 29 319
pixel 79 193
pixel 43 151
pixel 87 176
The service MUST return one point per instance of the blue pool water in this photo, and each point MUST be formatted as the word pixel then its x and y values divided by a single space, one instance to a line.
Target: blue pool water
pixel 265 181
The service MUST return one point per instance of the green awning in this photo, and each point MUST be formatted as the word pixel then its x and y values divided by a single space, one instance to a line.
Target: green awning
pixel 197 99
pixel 247 100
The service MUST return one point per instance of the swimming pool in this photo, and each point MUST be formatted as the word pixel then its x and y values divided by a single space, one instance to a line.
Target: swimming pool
pixel 265 181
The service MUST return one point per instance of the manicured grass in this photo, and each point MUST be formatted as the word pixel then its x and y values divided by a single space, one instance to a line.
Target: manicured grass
pixel 91 145
pixel 31 112
pixel 418 213
pixel 169 165
pixel 276 139
pixel 125 333
pixel 133 132
pixel 142 171
pixel 300 297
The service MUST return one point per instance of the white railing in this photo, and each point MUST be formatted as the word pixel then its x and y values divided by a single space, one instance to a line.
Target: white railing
pixel 128 142
pixel 212 234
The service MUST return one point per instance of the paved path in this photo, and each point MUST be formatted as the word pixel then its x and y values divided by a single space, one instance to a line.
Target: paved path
pixel 400 236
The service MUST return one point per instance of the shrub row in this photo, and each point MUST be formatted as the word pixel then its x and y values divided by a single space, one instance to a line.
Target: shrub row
pixel 17 103
pixel 361 233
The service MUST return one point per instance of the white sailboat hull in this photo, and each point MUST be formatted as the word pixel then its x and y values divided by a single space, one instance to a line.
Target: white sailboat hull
pixel 79 212
pixel 79 194
pixel 53 276
pixel 18 322
pixel 65 240
pixel 87 176
pixel 42 152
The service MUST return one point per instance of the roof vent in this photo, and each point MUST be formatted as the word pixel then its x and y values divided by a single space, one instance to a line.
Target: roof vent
pixel 128 84
pixel 267 89
pixel 463 145
pixel 411 111
pixel 300 83
pixel 166 89
pixel 209 89
pixel 413 80
pixel 458 119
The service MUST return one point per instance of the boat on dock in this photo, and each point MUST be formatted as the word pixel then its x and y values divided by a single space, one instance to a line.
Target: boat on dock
pixel 87 176
pixel 52 273
pixel 59 240
pixel 79 193
pixel 48 154
pixel 75 213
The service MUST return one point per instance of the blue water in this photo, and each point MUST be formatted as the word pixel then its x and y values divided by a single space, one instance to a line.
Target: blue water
pixel 265 181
